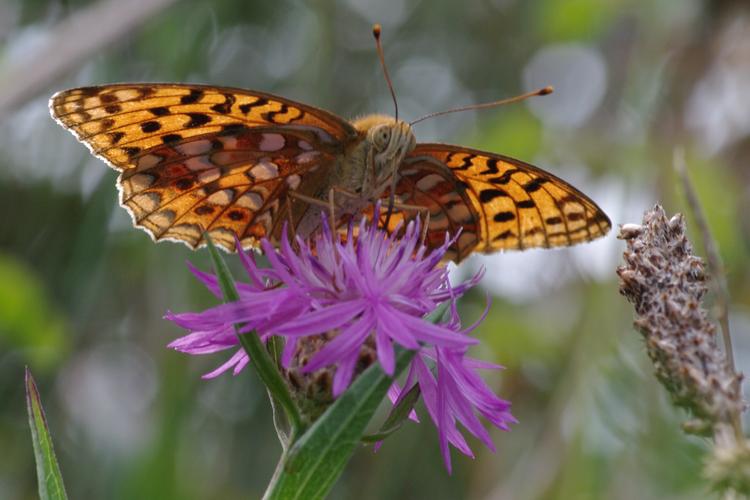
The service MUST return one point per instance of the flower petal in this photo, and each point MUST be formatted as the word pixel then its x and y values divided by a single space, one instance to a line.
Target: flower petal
pixel 321 321
pixel 347 342
pixel 234 360
pixel 433 334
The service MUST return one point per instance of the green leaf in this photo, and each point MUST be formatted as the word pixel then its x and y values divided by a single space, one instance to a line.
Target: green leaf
pixel 264 366
pixel 317 459
pixel 47 469
pixel 396 417
pixel 401 411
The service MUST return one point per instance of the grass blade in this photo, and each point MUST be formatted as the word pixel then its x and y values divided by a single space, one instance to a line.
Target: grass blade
pixel 50 479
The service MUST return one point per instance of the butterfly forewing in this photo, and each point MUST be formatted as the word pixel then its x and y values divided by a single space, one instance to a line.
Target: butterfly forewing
pixel 499 203
pixel 197 158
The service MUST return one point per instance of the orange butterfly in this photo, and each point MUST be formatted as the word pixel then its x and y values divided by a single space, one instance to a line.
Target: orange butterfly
pixel 195 158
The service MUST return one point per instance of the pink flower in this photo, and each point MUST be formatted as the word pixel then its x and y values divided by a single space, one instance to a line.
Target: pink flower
pixel 370 288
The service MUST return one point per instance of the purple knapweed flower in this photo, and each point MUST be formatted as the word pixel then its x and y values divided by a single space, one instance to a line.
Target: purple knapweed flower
pixel 335 298
pixel 455 394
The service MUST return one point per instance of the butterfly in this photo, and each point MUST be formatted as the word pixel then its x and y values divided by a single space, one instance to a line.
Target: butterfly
pixel 196 159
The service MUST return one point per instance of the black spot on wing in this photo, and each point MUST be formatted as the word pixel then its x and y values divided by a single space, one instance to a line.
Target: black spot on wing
pixel 226 106
pixel 271 115
pixel 465 163
pixel 248 106
pixel 183 184
pixel 116 137
pixel 487 195
pixel 151 126
pixel 194 96
pixel 505 178
pixel 171 138
pixel 534 184
pixel 131 151
pixel 197 120
pixel 576 216
pixel 504 235
pixel 504 216
pixel 159 111
pixel 491 167
pixel 232 128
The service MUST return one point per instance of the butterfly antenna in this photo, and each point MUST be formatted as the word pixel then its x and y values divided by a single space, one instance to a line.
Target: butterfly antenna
pixel 376 33
pixel 543 91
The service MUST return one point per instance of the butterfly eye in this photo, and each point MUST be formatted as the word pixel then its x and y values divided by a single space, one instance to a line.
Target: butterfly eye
pixel 381 136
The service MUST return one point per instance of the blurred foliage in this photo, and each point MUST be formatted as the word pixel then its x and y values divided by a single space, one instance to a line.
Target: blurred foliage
pixel 82 294
pixel 28 322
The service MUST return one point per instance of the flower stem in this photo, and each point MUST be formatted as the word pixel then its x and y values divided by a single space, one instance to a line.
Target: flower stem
pixel 715 265
pixel 715 269
pixel 264 366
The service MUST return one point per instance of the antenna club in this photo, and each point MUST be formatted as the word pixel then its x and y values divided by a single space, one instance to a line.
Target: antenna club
pixel 547 90
pixel 379 47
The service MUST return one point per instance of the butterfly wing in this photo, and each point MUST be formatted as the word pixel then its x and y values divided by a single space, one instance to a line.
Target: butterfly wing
pixel 196 158
pixel 499 203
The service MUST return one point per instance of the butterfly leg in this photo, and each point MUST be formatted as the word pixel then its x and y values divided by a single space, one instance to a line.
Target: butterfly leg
pixel 332 206
pixel 290 218
pixel 309 199
pixel 424 212
pixel 416 208
pixel 391 200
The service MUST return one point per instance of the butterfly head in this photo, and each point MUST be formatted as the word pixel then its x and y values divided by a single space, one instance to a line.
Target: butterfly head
pixel 390 141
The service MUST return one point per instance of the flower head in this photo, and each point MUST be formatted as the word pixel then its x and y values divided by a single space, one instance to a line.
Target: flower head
pixel 340 303
pixel 666 283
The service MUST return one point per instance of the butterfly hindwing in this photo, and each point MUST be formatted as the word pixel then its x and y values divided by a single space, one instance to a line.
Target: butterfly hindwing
pixel 500 203
pixel 199 158
pixel 227 184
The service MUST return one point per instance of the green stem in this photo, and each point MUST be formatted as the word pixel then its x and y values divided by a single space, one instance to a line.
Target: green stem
pixel 277 474
pixel 261 361
pixel 268 373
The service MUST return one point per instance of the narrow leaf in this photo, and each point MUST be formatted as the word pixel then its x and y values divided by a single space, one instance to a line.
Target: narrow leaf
pixel 317 459
pixel 47 469
pixel 401 411
pixel 397 416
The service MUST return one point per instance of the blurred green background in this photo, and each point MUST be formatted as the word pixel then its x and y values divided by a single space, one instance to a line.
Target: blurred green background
pixel 82 293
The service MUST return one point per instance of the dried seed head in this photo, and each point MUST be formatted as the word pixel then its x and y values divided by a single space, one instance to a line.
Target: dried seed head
pixel 666 283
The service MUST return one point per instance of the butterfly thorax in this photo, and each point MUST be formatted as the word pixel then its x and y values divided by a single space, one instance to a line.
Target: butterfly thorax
pixel 362 174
